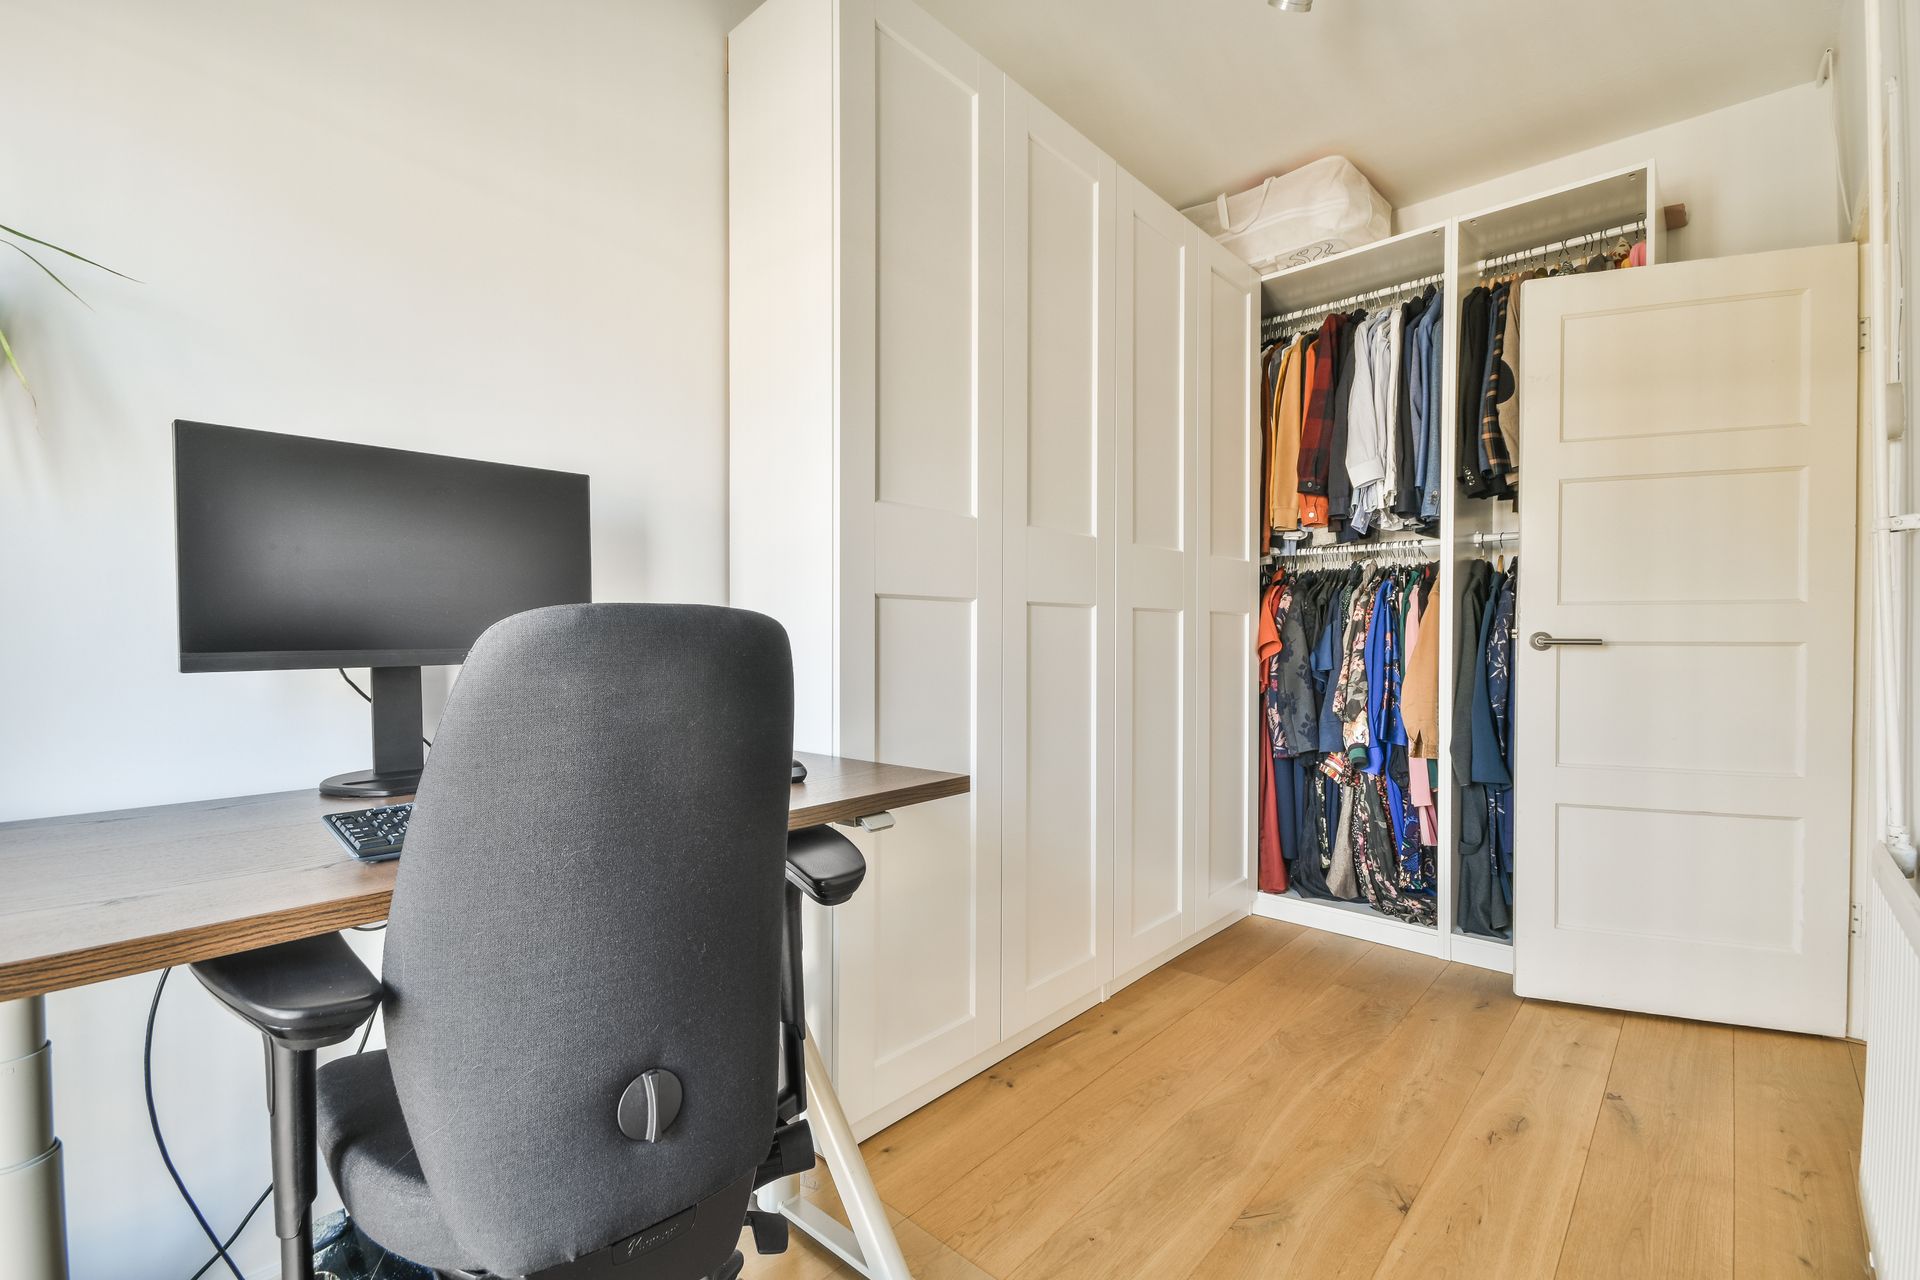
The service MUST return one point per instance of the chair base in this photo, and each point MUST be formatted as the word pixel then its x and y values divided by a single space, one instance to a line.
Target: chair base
pixel 870 1247
pixel 729 1270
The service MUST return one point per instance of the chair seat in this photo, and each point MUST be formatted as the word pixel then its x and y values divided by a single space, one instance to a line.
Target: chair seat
pixel 363 1138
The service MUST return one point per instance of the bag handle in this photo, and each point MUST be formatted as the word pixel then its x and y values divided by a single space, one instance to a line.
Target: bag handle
pixel 1226 226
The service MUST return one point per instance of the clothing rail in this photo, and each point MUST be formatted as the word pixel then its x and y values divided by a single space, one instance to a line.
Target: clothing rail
pixel 1571 242
pixel 1422 547
pixel 1327 308
pixel 1503 538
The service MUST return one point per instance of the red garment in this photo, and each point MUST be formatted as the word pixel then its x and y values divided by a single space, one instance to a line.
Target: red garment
pixel 1273 858
pixel 1316 414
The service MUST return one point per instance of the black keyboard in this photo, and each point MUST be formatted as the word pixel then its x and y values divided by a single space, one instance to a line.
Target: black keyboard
pixel 372 835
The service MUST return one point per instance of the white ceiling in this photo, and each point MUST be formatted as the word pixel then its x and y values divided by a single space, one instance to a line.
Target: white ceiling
pixel 1426 96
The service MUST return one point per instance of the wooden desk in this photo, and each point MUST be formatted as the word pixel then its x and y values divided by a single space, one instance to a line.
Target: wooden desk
pixel 105 895
pixel 108 895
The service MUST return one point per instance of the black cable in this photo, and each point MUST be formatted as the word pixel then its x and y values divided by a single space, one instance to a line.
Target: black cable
pixel 166 1157
pixel 424 739
pixel 208 1264
pixel 153 1115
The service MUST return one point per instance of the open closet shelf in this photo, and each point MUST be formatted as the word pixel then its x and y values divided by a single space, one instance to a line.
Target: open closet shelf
pixel 1380 265
pixel 1357 920
pixel 1596 204
pixel 1486 953
pixel 1468 528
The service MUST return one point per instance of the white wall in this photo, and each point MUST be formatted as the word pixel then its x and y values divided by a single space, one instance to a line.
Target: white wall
pixel 1755 176
pixel 475 227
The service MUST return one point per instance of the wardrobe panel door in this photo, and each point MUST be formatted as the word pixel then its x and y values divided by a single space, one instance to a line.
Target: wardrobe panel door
pixel 918 948
pixel 1057 709
pixel 1155 571
pixel 1221 872
pixel 1684 784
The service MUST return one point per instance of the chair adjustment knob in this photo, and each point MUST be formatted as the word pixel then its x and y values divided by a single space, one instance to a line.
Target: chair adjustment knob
pixel 649 1105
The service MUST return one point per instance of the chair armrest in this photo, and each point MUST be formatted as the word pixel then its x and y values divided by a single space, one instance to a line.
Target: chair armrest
pixel 307 994
pixel 824 865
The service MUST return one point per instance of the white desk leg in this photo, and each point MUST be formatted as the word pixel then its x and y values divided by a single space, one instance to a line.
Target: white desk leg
pixel 870 1247
pixel 33 1238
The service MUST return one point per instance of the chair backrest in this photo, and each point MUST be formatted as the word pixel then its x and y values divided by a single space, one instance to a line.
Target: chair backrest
pixel 592 887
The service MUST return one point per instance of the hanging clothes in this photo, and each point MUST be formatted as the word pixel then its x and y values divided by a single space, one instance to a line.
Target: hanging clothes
pixel 1316 423
pixel 1496 389
pixel 1488 422
pixel 1350 444
pixel 1282 465
pixel 1483 747
pixel 1347 820
pixel 1471 383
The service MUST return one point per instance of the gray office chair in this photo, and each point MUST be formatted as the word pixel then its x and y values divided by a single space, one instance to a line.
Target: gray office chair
pixel 593 1001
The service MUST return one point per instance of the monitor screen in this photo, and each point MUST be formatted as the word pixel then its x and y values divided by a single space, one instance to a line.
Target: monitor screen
pixel 296 552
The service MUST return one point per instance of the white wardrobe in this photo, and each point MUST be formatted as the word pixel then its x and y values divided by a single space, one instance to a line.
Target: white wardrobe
pixel 996 438
pixel 992 462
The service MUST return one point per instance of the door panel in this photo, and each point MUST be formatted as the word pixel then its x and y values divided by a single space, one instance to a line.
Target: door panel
pixel 1155 637
pixel 1057 833
pixel 918 948
pixel 1682 791
pixel 1222 875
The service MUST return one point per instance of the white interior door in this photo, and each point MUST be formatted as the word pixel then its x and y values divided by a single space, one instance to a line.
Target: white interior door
pixel 1682 789
pixel 918 948
pixel 1056 861
pixel 1155 358
pixel 1221 871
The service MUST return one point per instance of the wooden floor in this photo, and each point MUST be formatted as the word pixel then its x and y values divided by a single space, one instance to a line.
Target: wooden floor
pixel 1284 1102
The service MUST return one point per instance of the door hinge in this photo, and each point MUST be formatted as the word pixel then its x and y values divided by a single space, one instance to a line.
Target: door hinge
pixel 1863 333
pixel 1857 919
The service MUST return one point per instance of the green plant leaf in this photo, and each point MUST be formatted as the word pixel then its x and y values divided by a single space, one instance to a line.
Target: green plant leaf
pixel 21 249
pixel 6 348
pixel 70 253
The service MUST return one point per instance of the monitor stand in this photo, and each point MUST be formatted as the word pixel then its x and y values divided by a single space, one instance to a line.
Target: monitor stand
pixel 398 755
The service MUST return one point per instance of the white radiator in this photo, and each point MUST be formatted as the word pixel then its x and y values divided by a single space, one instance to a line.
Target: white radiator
pixel 1890 1146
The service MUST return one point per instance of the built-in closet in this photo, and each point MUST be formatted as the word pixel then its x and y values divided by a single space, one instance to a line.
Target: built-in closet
pixel 997 445
pixel 1552 231
pixel 992 454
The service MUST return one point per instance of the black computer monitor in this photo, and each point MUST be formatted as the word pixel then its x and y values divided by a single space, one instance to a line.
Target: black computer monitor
pixel 300 553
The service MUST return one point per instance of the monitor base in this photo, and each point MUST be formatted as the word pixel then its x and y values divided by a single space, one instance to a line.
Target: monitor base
pixel 397 755
pixel 367 783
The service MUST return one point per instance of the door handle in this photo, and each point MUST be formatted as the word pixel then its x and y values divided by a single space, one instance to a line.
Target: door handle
pixel 1541 640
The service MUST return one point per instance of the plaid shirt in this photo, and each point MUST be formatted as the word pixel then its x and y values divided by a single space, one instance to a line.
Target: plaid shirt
pixel 1496 388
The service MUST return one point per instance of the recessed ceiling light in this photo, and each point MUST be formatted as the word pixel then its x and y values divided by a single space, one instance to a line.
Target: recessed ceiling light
pixel 1292 6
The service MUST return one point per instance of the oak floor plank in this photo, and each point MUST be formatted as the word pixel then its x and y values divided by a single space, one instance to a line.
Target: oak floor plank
pixel 926 1257
pixel 1231 952
pixel 1344 1169
pixel 922 1155
pixel 1178 1196
pixel 1657 1195
pixel 803 1260
pixel 1499 1197
pixel 1303 1121
pixel 1009 1205
pixel 1858 1052
pixel 1796 1107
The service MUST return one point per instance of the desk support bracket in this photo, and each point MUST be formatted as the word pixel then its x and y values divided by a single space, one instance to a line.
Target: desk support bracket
pixel 33 1238
pixel 870 1248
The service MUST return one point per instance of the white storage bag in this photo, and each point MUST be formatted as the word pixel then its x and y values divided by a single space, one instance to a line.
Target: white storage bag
pixel 1313 212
